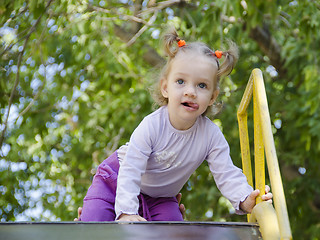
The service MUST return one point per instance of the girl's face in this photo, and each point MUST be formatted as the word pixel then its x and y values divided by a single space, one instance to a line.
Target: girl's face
pixel 189 88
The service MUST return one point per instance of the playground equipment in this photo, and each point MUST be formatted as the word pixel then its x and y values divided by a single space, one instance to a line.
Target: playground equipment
pixel 129 231
pixel 272 223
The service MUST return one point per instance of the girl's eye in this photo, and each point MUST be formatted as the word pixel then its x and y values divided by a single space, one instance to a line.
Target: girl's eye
pixel 202 85
pixel 180 81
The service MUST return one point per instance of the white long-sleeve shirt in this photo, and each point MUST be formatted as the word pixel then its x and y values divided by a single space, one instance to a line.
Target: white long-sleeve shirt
pixel 159 160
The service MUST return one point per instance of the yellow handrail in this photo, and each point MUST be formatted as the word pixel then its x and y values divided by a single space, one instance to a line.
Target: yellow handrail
pixel 263 142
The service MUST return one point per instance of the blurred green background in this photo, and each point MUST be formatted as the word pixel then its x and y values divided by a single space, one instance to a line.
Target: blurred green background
pixel 74 77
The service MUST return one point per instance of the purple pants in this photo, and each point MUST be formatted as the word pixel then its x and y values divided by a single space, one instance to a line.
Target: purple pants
pixel 98 204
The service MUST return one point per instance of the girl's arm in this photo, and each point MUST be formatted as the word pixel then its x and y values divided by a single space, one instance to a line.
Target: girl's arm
pixel 230 180
pixel 131 169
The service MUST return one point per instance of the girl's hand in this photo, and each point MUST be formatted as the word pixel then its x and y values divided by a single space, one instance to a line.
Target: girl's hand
pixel 130 218
pixel 248 204
pixel 181 206
pixel 79 214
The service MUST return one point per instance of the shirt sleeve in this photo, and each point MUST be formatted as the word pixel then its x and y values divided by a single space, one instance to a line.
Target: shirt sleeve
pixel 229 179
pixel 132 168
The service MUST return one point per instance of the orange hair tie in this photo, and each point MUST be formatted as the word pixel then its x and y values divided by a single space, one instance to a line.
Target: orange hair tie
pixel 218 53
pixel 181 43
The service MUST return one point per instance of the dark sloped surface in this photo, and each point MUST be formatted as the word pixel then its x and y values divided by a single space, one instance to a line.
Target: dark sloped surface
pixel 128 231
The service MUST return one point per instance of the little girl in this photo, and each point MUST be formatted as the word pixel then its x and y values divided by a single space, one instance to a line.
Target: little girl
pixel 140 180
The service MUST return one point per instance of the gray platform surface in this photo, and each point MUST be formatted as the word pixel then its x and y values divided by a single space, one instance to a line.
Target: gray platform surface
pixel 128 231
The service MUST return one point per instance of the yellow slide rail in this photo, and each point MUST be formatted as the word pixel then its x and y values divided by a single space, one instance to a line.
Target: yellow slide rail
pixel 274 224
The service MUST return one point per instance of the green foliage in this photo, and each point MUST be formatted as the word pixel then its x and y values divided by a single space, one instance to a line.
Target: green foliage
pixel 81 90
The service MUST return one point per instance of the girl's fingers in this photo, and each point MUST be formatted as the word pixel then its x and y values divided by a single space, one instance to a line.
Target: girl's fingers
pixel 79 211
pixel 267 189
pixel 182 209
pixel 131 218
pixel 79 214
pixel 254 194
pixel 178 197
pixel 267 197
pixel 142 219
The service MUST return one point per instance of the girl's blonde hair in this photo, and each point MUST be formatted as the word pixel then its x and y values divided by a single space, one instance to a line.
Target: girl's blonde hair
pixel 170 44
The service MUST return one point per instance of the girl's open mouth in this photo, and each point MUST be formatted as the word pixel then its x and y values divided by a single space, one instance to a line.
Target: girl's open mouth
pixel 190 105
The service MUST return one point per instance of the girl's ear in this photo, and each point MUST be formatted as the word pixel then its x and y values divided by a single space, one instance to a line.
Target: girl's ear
pixel 164 87
pixel 215 94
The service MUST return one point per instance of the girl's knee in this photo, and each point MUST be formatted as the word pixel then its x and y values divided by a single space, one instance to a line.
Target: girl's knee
pixel 167 211
pixel 168 216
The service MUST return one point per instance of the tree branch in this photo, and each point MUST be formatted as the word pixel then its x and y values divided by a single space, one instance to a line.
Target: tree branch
pixel 160 6
pixel 120 15
pixel 142 30
pixel 13 90
pixel 269 47
pixel 45 78
pixel 150 56
pixel 33 28
pixel 137 6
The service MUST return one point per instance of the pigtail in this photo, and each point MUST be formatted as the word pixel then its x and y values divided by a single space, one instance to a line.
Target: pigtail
pixel 170 40
pixel 231 58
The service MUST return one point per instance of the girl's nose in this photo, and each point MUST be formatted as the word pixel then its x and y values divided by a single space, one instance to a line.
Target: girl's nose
pixel 190 91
